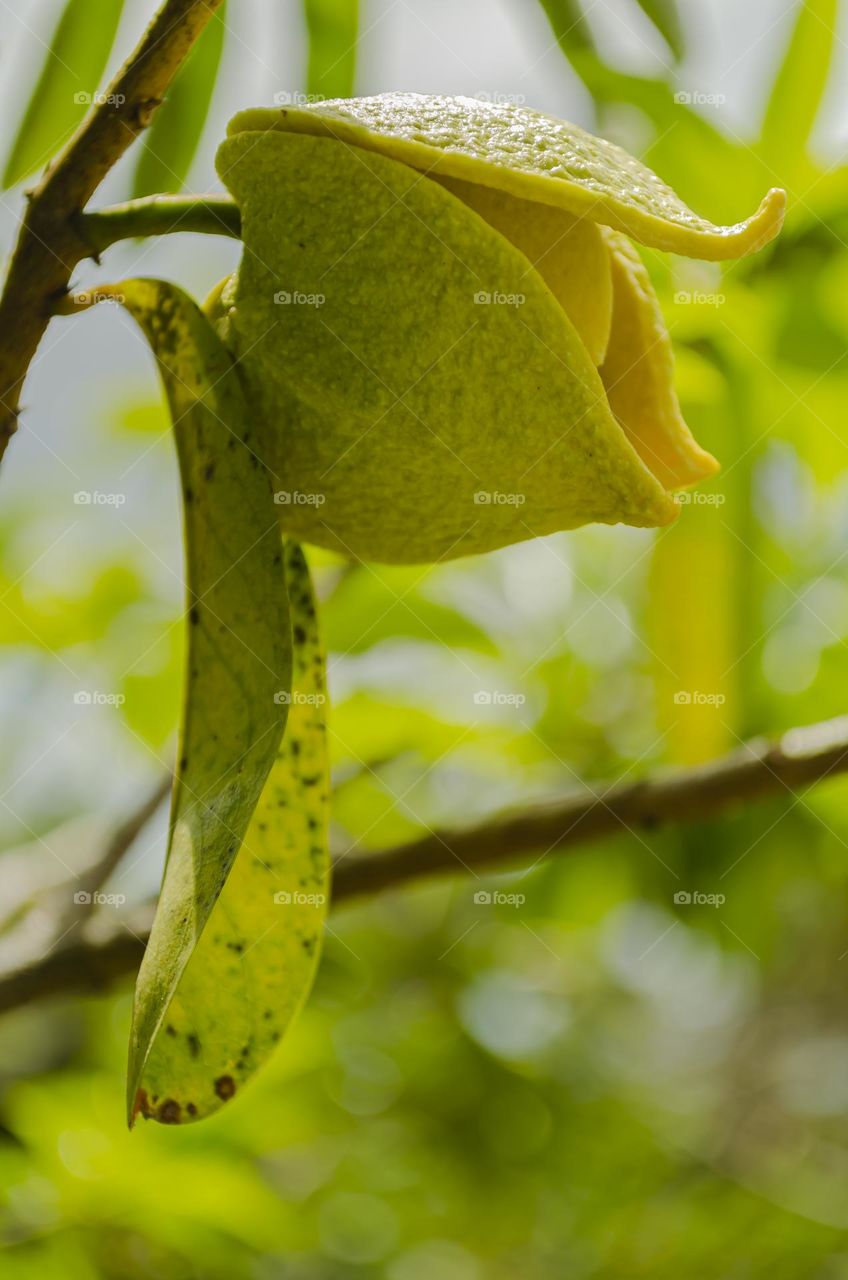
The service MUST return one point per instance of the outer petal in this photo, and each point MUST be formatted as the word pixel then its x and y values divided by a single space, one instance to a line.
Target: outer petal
pixel 391 405
pixel 569 253
pixel 529 155
pixel 638 374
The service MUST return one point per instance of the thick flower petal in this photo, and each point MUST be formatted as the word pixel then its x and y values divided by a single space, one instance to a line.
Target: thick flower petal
pixel 529 155
pixel 569 253
pixel 638 373
pixel 419 393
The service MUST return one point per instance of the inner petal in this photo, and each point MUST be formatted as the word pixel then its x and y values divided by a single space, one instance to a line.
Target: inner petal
pixel 638 374
pixel 567 251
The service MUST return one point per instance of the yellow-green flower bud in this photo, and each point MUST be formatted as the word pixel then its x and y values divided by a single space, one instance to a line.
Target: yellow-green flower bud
pixel 448 339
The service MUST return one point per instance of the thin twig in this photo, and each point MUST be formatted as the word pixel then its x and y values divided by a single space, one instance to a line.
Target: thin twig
pixel 159 216
pixel 758 771
pixel 50 243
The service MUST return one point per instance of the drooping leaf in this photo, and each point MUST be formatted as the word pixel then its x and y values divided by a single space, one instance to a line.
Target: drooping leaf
pixel 799 86
pixel 529 155
pixel 238 673
pixel 665 16
pixel 332 26
pixel 254 963
pixel 67 84
pixel 172 140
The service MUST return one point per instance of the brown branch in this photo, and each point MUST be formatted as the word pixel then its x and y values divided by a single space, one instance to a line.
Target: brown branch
pixel 50 242
pixel 758 771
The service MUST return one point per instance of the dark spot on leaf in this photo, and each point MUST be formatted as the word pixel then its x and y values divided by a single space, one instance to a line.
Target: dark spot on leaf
pixel 171 1031
pixel 225 1087
pixel 209 471
pixel 191 1108
pixel 193 1046
pixel 194 615
pixel 299 634
pixel 170 1111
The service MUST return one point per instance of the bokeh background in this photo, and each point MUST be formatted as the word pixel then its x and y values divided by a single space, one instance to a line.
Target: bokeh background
pixel 599 1082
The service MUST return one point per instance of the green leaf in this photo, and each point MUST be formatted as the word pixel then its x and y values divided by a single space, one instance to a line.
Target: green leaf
pixel 332 26
pixel 569 25
pixel 66 85
pixel 254 962
pixel 799 87
pixel 191 991
pixel 172 140
pixel 665 16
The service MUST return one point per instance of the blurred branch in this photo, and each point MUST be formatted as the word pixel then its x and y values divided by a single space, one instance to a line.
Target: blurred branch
pixel 159 216
pixel 123 837
pixel 757 771
pixel 50 243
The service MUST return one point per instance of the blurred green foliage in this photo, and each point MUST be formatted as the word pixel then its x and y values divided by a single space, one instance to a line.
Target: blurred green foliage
pixel 601 1082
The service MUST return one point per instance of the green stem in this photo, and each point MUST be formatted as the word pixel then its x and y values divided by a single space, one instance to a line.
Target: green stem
pixel 159 216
